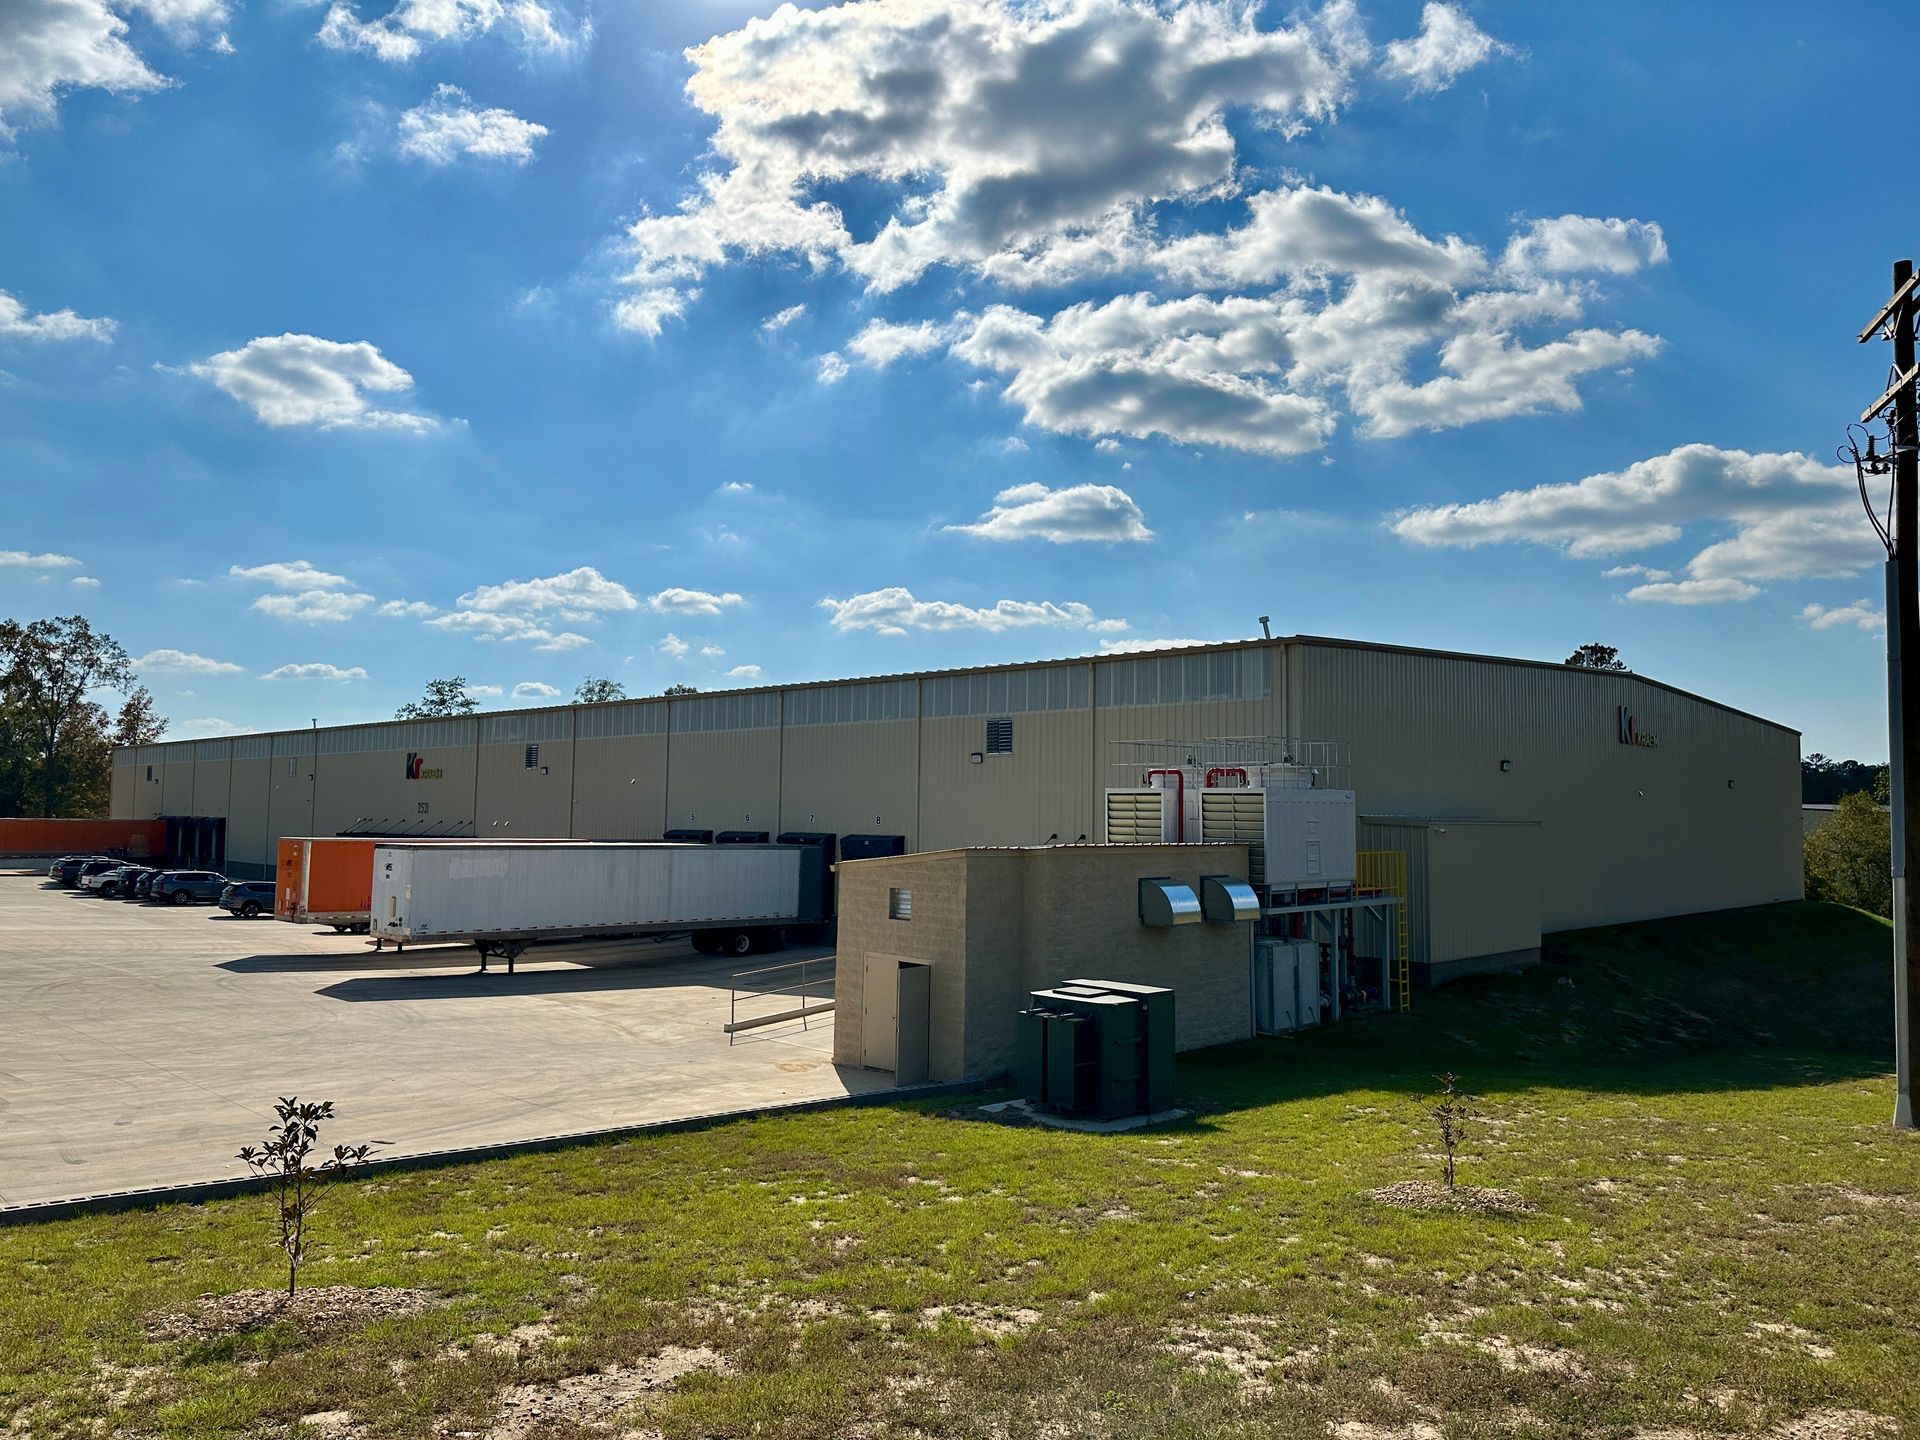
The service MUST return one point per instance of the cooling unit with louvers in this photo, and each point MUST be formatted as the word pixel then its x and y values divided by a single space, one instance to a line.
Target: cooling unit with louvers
pixel 1142 816
pixel 1238 815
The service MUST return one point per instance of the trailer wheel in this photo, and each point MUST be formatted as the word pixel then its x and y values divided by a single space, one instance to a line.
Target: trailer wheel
pixel 737 942
pixel 706 942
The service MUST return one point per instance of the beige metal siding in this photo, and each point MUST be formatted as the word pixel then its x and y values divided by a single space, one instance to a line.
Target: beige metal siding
pixel 1626 832
pixel 1409 837
pixel 1045 787
pixel 120 791
pixel 247 812
pixel 358 786
pixel 620 788
pixel 858 779
pixel 212 776
pixel 1483 889
pixel 290 788
pixel 723 763
pixel 521 801
pixel 176 779
pixel 149 782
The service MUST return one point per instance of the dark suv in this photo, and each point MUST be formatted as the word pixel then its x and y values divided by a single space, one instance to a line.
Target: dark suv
pixel 247 898
pixel 67 871
pixel 114 882
pixel 185 887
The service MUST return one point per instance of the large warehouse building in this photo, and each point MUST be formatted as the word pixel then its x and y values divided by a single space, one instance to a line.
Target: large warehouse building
pixel 1646 800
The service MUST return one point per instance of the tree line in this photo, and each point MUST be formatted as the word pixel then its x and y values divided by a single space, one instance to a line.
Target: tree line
pixel 58 678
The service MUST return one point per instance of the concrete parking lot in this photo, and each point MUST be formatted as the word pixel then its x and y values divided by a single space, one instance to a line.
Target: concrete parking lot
pixel 142 1045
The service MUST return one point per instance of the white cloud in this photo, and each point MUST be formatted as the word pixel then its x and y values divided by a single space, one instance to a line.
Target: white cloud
pixel 51 46
pixel 895 611
pixel 579 594
pixel 209 727
pixel 1780 516
pixel 85 582
pixel 534 690
pixel 183 662
pixel 16 321
pixel 712 651
pixel 676 601
pixel 1016 122
pixel 290 575
pixel 485 692
pixel 746 672
pixel 1863 614
pixel 880 342
pixel 1448 45
pixel 21 559
pixel 1644 572
pixel 444 127
pixel 780 319
pixel 304 380
pixel 1107 447
pixel 1135 647
pixel 407 609
pixel 672 644
pixel 317 670
pixel 410 26
pixel 491 625
pixel 1060 145
pixel 736 487
pixel 323 607
pixel 1694 592
pixel 1581 245
pixel 1071 513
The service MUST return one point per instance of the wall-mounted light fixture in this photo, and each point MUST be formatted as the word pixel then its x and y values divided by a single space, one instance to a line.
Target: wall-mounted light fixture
pixel 1729 784
pixel 1506 765
pixel 977 758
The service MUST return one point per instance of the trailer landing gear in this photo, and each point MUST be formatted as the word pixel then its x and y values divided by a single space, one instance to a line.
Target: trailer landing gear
pixel 508 950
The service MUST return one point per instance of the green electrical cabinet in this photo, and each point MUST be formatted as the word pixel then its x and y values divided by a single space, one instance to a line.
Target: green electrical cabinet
pixel 1096 1047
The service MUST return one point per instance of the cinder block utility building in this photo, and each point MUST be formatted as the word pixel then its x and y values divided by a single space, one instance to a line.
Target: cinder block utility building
pixel 1638 799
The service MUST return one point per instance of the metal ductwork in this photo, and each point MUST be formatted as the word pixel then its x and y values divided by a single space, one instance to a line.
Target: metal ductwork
pixel 1226 900
pixel 1165 902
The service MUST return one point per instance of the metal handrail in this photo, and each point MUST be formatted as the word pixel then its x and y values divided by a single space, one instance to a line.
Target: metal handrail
pixel 809 1005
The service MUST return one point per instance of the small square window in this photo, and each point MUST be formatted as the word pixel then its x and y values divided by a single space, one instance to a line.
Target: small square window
pixel 900 904
pixel 1000 735
pixel 533 757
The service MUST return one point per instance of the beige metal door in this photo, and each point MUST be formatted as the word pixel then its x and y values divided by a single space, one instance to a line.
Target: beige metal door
pixel 880 1013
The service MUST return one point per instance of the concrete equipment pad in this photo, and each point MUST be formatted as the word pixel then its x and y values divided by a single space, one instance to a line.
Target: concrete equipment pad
pixel 142 1045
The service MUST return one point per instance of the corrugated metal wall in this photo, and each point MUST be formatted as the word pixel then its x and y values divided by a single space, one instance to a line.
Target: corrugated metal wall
pixel 1708 820
pixel 1627 831
pixel 212 777
pixel 1473 887
pixel 120 786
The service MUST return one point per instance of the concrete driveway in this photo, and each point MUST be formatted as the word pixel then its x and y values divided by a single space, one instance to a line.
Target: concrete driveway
pixel 142 1045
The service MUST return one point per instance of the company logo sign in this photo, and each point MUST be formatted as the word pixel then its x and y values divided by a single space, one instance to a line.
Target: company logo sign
pixel 1632 734
pixel 417 768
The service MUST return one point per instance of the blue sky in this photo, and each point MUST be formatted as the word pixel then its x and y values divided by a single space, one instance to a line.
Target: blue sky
pixel 344 346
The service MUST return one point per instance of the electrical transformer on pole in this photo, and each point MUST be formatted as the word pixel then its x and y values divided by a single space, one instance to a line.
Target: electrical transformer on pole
pixel 1899 531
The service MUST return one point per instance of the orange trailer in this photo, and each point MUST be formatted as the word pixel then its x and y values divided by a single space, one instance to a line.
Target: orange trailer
pixel 325 880
pixel 137 838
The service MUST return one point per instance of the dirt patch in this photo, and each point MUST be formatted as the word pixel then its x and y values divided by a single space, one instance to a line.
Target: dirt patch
pixel 1363 1430
pixel 320 1310
pixel 1781 1330
pixel 1836 1425
pixel 1469 1199
pixel 992 1321
pixel 598 1399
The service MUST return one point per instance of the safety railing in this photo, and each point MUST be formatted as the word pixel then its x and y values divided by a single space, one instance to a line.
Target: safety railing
pixel 799 984
pixel 1385 872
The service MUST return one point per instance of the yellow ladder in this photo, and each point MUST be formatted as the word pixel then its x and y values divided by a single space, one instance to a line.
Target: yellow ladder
pixel 1386 871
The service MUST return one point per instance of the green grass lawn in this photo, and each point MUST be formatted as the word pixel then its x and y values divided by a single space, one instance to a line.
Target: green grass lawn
pixel 1723 1243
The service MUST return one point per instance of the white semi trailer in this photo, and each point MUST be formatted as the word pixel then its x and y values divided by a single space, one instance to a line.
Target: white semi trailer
pixel 501 898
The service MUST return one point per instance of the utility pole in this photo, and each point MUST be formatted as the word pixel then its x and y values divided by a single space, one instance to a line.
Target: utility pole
pixel 1896 322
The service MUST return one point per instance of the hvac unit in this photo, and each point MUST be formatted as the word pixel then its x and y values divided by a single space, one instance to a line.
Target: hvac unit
pixel 1286 985
pixel 1147 815
pixel 1240 816
pixel 1310 838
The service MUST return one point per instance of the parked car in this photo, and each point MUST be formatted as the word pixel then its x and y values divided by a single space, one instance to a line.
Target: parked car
pixel 67 871
pixel 247 898
pixel 130 876
pixel 110 881
pixel 90 873
pixel 143 887
pixel 185 887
